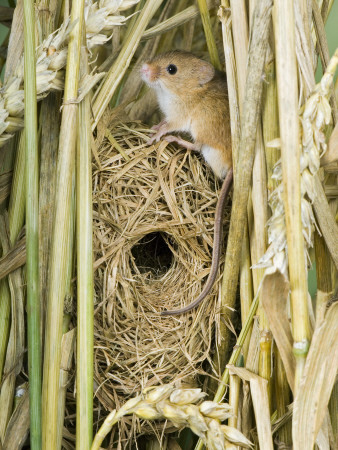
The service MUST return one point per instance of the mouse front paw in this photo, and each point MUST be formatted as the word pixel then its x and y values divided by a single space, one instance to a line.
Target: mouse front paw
pixel 162 129
pixel 157 136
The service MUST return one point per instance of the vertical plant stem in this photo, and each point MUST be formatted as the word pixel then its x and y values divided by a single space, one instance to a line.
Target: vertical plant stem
pixel 289 129
pixel 236 97
pixel 272 155
pixel 270 122
pixel 258 240
pixel 236 71
pixel 229 52
pixel 230 65
pixel 245 287
pixel 67 313
pixel 209 36
pixel 58 263
pixel 50 115
pixel 49 118
pixel 283 399
pixel 85 301
pixel 32 227
pixel 241 39
pixel 234 392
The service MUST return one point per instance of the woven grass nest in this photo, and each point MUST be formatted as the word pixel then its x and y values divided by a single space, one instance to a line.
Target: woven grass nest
pixel 153 233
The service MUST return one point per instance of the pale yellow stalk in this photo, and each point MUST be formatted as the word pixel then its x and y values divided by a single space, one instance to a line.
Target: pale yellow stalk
pixel 289 129
pixel 57 280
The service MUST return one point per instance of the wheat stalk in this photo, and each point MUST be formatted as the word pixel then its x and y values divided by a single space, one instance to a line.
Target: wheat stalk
pixel 181 408
pixel 314 115
pixel 51 56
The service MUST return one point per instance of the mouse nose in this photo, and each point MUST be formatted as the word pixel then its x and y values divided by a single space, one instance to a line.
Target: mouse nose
pixel 145 70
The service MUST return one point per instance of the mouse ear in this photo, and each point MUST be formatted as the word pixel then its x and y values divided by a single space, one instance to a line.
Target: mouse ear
pixel 207 72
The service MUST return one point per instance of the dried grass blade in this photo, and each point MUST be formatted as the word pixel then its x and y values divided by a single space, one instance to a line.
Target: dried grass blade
pixel 178 19
pixel 16 219
pixel 14 259
pixel 5 314
pixel 15 45
pixel 18 426
pixel 317 382
pixel 5 185
pixel 67 351
pixel 16 210
pixel 15 349
pixel 274 294
pixel 260 400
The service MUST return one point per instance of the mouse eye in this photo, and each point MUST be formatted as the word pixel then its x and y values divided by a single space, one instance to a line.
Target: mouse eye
pixel 172 69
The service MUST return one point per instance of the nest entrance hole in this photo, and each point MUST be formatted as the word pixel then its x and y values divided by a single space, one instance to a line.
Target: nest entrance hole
pixel 153 254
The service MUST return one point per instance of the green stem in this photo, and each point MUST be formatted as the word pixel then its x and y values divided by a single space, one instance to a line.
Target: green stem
pixel 211 43
pixel 32 221
pixel 61 232
pixel 85 302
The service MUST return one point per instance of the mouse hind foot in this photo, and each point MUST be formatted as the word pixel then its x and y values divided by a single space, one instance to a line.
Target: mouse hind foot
pixel 186 144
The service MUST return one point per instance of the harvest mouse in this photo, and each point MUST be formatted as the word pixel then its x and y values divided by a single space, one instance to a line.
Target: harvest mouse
pixel 193 97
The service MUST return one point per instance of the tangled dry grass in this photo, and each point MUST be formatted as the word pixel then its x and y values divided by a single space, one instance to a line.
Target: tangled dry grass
pixel 139 194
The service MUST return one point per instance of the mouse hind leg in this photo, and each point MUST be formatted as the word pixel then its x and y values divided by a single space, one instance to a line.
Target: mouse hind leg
pixel 216 161
pixel 186 144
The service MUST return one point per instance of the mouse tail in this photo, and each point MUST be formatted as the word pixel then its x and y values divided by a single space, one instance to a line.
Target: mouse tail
pixel 216 251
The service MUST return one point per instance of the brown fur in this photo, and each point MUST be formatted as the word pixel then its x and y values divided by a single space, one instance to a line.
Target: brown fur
pixel 200 94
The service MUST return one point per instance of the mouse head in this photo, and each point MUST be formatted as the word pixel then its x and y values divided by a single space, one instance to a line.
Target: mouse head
pixel 177 71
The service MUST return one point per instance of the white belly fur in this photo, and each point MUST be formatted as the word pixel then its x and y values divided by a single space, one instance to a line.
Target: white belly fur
pixel 214 158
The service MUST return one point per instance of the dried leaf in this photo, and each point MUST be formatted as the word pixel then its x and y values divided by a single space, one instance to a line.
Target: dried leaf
pixel 317 382
pixel 274 294
pixel 260 400
pixel 18 426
